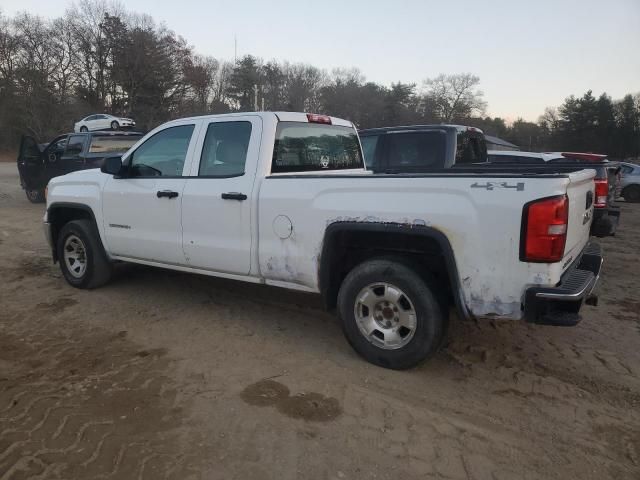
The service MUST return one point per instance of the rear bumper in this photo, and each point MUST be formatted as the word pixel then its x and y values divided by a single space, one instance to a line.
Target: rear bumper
pixel 605 221
pixel 560 305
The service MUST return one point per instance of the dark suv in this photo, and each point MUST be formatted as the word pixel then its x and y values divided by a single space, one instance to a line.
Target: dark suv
pixel 39 163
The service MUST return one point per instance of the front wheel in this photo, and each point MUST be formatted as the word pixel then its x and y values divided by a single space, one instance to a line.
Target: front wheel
pixel 35 195
pixel 631 194
pixel 390 315
pixel 115 125
pixel 83 261
pixel 84 129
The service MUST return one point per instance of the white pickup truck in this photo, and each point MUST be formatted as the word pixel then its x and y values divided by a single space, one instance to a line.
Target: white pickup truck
pixel 283 199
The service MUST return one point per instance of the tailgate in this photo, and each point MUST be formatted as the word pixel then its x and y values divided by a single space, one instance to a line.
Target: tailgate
pixel 581 194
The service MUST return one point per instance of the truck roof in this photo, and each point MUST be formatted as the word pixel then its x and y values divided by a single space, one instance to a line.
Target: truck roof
pixel 278 116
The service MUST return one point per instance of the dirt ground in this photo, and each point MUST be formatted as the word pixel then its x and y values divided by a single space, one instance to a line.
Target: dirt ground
pixel 8 156
pixel 168 375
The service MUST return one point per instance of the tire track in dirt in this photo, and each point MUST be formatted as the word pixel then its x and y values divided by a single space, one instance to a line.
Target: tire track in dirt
pixel 86 404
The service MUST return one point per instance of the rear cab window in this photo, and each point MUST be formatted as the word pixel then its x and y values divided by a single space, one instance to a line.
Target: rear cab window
pixel 311 147
pixel 416 150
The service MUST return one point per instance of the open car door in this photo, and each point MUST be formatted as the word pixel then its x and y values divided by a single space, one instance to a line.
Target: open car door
pixel 30 163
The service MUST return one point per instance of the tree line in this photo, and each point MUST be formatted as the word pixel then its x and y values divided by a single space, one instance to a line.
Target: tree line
pixel 99 58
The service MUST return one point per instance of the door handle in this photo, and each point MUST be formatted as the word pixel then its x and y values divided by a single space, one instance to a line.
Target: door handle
pixel 167 193
pixel 234 196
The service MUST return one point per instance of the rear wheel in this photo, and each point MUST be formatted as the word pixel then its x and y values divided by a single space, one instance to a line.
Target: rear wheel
pixel 115 125
pixel 83 261
pixel 390 315
pixel 35 195
pixel 632 194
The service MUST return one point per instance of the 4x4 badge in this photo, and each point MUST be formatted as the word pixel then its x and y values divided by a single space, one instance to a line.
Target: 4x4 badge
pixel 493 185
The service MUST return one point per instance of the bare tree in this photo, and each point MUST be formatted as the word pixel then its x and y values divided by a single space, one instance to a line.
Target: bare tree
pixel 200 75
pixel 456 97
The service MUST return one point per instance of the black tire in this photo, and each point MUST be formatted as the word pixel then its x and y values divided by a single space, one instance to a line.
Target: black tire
pixel 97 269
pixel 35 195
pixel 84 129
pixel 419 290
pixel 115 125
pixel 631 194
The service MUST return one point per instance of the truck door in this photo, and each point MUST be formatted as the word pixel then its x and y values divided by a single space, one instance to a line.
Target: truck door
pixel 142 210
pixel 30 163
pixel 218 202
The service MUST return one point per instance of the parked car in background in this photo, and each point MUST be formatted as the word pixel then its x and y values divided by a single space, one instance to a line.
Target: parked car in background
pixel 630 182
pixel 606 213
pixel 283 199
pixel 103 121
pixel 39 163
pixel 420 148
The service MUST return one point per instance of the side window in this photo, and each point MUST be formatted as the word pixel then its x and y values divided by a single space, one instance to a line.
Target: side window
pixel 163 154
pixel 90 117
pixel 417 150
pixel 470 149
pixel 224 152
pixel 60 144
pixel 369 145
pixel 74 145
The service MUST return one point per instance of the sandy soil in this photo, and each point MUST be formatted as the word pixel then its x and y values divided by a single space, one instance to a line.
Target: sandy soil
pixel 167 375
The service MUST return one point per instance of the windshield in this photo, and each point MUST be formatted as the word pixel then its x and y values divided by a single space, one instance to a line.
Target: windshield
pixel 112 143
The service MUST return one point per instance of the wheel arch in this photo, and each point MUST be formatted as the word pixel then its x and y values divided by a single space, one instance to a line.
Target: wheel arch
pixel 347 244
pixel 61 213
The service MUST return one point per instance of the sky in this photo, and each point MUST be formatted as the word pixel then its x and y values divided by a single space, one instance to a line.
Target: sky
pixel 528 54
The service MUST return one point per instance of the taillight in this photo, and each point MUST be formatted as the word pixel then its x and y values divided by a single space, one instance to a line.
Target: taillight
pixel 315 118
pixel 545 230
pixel 602 192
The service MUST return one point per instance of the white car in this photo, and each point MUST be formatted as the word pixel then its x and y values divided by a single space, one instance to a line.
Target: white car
pixel 283 199
pixel 103 121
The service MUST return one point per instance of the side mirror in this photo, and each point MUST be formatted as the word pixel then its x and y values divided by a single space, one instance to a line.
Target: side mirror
pixel 112 165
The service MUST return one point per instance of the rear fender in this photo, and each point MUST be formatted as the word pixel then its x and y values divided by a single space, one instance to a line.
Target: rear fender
pixel 329 262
